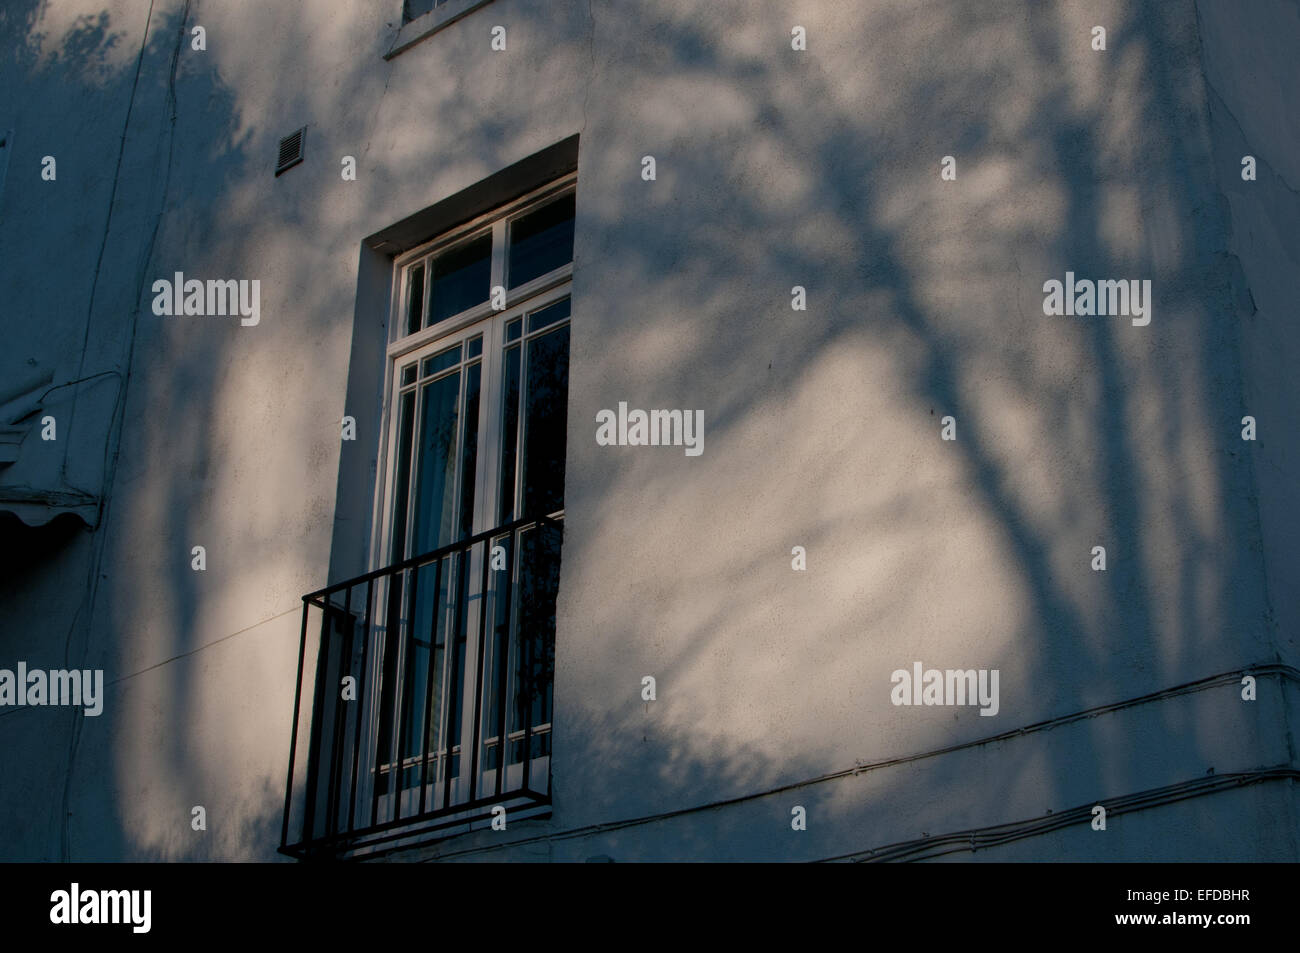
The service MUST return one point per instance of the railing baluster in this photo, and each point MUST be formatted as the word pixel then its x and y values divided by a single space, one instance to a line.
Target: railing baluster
pixel 313 745
pixel 293 741
pixel 336 760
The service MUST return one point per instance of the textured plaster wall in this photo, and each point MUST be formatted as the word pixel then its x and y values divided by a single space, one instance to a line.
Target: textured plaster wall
pixel 775 168
pixel 1250 69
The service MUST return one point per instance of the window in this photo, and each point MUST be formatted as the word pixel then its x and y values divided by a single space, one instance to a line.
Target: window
pixel 414 9
pixel 423 18
pixel 450 638
pixel 418 8
pixel 477 429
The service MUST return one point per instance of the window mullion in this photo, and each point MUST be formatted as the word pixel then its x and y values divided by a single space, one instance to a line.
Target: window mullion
pixel 499 253
pixel 490 408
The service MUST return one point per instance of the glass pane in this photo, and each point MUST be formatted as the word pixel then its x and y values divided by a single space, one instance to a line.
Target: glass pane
pixel 469 451
pixel 509 432
pixel 539 578
pixel 541 241
pixel 415 300
pixel 408 697
pixel 514 329
pixel 549 315
pixel 546 401
pixel 402 478
pixel 461 279
pixel 455 696
pixel 496 677
pixel 435 512
pixel 440 362
pixel 408 373
pixel 418 8
pixel 474 348
pixel 424 675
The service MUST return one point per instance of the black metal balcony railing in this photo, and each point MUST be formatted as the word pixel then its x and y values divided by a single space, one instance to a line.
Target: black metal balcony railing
pixel 429 691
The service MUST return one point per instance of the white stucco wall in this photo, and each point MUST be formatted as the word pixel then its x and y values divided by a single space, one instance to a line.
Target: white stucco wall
pixel 774 168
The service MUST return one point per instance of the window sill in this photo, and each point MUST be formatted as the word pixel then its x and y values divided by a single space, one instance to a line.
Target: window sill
pixel 430 23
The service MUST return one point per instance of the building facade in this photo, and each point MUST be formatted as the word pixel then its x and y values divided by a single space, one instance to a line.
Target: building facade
pixel 524 430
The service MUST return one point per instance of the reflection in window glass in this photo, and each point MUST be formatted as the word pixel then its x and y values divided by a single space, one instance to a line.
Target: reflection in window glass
pixel 405 423
pixel 415 300
pixel 440 362
pixel 509 431
pixel 546 400
pixel 534 680
pixel 541 241
pixel 469 452
pixel 427 648
pixel 460 279
pixel 548 316
pixel 436 473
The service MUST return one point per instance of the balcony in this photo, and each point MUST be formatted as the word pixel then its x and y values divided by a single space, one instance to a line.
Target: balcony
pixel 423 698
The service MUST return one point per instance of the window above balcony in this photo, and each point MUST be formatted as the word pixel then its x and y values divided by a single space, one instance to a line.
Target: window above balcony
pixel 425 693
pixel 423 18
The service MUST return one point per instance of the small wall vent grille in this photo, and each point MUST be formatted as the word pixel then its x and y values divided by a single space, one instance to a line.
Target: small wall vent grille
pixel 290 151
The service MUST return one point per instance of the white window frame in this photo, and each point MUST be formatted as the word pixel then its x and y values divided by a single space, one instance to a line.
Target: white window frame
pixel 401 350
